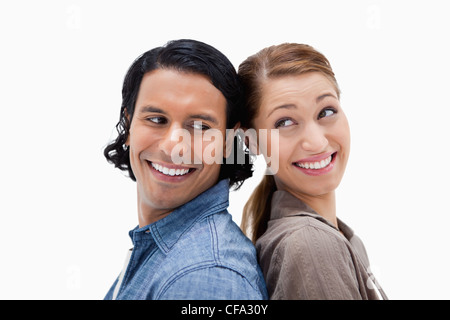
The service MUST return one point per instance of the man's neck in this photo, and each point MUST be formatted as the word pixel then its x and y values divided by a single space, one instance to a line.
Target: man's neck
pixel 147 214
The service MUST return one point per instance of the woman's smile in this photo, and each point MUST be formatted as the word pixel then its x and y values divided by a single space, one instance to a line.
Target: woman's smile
pixel 318 165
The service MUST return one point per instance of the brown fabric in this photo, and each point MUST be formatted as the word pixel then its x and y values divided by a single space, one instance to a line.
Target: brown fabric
pixel 303 256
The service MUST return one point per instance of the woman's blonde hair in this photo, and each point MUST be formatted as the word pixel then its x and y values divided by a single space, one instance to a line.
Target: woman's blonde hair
pixel 286 59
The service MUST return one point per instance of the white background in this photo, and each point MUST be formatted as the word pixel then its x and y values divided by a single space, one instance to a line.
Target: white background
pixel 65 212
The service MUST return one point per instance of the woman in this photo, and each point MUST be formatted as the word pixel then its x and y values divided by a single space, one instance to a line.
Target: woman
pixel 305 251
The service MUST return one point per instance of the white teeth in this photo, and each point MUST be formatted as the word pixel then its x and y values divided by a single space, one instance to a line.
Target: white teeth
pixel 169 172
pixel 315 165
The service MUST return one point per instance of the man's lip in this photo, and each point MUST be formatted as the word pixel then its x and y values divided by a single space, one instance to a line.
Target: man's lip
pixel 167 177
pixel 316 158
pixel 170 165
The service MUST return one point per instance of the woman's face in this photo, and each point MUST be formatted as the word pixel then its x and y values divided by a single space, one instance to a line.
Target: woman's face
pixel 314 135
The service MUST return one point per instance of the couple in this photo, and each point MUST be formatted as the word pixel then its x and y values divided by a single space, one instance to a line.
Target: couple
pixel 186 245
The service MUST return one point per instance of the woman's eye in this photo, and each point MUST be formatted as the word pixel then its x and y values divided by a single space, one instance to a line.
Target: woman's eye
pixel 157 120
pixel 326 113
pixel 284 123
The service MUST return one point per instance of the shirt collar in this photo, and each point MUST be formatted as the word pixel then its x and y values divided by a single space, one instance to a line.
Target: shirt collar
pixel 169 229
pixel 285 204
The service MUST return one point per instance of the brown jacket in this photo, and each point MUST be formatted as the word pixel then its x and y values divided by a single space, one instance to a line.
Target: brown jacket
pixel 303 256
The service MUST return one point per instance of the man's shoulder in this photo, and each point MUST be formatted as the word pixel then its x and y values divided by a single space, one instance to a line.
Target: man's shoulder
pixel 213 282
pixel 211 248
pixel 232 244
pixel 215 238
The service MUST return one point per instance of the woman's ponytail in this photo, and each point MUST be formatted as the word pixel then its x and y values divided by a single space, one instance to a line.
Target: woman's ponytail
pixel 256 212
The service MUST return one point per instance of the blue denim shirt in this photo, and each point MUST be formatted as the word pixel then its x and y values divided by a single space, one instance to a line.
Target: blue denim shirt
pixel 196 252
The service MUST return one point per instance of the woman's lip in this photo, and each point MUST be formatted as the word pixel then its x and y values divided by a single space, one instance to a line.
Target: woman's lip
pixel 318 172
pixel 317 158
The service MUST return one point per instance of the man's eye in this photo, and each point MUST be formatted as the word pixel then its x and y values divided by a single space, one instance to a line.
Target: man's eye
pixel 284 123
pixel 157 120
pixel 326 113
pixel 199 125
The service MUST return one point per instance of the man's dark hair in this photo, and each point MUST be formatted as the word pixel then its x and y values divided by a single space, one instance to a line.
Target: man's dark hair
pixel 192 57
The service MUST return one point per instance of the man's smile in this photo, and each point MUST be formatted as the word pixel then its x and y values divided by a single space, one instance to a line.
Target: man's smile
pixel 170 170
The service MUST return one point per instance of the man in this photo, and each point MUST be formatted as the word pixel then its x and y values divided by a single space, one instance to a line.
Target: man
pixel 186 245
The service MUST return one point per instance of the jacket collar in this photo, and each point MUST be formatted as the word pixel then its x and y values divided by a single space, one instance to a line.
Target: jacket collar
pixel 285 204
pixel 169 229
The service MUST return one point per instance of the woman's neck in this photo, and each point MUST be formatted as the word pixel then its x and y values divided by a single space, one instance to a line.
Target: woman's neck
pixel 324 205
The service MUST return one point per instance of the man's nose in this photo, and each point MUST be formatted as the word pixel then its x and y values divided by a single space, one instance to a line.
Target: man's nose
pixel 176 144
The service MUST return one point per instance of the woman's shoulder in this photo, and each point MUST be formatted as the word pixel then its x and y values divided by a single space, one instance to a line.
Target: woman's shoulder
pixel 299 227
pixel 302 235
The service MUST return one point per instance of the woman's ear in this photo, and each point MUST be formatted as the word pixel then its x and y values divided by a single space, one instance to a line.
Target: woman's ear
pixel 127 143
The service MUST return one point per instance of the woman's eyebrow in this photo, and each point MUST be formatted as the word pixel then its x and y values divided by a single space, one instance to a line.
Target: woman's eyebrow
pixel 325 95
pixel 284 106
pixel 293 106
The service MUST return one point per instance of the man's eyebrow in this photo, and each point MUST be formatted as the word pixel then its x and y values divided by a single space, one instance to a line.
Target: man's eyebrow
pixel 284 106
pixel 204 117
pixel 151 109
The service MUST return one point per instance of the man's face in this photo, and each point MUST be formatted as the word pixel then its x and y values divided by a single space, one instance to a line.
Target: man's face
pixel 169 103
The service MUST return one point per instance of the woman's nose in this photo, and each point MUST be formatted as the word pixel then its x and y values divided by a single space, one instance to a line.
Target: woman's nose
pixel 314 139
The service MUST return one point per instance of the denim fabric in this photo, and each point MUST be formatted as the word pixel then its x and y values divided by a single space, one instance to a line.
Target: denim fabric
pixel 196 252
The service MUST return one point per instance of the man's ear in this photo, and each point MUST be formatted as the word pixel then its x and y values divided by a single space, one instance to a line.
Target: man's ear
pixel 250 140
pixel 229 140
